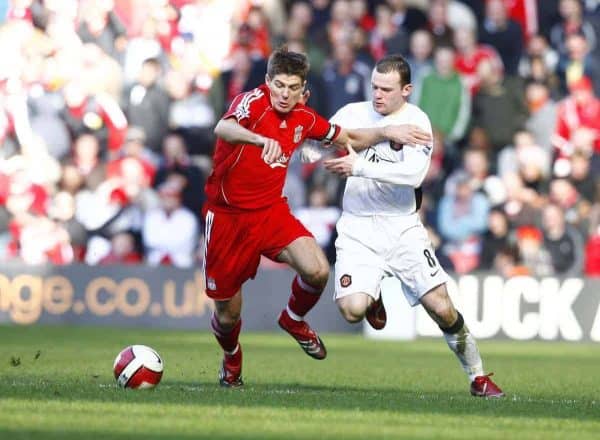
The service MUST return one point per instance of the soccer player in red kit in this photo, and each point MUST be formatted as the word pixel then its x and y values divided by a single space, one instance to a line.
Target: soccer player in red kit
pixel 246 215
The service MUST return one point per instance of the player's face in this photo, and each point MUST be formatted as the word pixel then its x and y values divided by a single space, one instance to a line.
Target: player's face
pixel 286 91
pixel 388 94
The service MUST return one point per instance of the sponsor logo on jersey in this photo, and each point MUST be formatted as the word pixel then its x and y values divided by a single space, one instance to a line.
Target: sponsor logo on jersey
pixel 395 146
pixel 345 280
pixel 281 162
pixel 298 133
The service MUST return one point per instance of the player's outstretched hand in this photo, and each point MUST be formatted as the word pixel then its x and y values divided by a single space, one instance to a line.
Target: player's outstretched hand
pixel 408 134
pixel 271 150
pixel 342 165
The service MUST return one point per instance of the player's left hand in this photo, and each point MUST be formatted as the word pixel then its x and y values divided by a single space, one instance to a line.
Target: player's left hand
pixel 408 134
pixel 271 150
pixel 342 166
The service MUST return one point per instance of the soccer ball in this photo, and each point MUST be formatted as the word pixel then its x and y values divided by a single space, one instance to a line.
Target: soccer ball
pixel 138 366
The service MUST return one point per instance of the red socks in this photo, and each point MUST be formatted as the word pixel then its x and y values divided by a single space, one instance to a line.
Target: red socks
pixel 228 339
pixel 303 297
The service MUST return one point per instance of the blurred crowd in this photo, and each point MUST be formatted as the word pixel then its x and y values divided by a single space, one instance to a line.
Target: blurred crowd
pixel 107 109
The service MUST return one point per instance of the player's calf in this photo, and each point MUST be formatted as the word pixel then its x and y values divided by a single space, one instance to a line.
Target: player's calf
pixel 304 296
pixel 230 374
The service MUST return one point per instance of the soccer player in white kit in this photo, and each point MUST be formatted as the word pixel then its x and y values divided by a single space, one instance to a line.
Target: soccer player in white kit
pixel 380 233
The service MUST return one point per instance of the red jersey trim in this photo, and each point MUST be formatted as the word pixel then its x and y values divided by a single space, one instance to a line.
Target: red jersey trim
pixel 242 110
pixel 237 159
pixel 261 116
pixel 314 118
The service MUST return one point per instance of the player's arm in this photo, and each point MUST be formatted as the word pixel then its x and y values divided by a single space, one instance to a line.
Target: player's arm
pixel 361 138
pixel 231 131
pixel 411 171
pixel 335 131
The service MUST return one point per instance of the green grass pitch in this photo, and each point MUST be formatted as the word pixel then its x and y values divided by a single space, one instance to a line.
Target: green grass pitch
pixel 57 383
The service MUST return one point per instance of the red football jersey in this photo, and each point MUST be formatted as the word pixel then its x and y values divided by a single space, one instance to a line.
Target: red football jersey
pixel 241 179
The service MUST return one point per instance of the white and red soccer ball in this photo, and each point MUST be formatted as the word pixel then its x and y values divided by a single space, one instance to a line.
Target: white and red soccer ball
pixel 138 366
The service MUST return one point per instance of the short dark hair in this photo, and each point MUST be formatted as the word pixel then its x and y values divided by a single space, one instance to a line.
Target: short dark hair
pixel 395 63
pixel 283 61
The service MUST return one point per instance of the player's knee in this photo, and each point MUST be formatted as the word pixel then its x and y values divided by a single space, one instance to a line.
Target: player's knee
pixel 228 319
pixel 352 311
pixel 318 275
pixel 351 316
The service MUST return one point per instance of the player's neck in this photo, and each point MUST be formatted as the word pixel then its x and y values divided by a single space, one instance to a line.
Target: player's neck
pixel 399 109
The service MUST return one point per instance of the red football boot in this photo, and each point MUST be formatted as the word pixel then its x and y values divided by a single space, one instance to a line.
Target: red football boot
pixel 304 335
pixel 483 386
pixel 376 316
pixel 230 375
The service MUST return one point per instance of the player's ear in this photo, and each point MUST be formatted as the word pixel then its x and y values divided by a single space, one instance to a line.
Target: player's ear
pixel 267 79
pixel 407 90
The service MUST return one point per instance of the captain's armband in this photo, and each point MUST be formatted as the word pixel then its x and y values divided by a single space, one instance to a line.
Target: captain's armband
pixel 332 134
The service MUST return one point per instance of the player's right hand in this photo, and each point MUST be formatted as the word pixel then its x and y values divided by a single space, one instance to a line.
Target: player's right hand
pixel 271 150
pixel 344 165
pixel 408 134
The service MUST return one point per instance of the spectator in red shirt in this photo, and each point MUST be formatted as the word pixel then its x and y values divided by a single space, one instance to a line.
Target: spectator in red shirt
pixel 98 114
pixel 580 109
pixel 123 250
pixel 469 55
pixel 359 10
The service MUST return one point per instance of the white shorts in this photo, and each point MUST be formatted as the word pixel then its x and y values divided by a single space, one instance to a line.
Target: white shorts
pixel 370 248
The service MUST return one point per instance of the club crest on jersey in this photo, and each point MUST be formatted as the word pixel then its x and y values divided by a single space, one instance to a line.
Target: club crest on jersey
pixel 281 162
pixel 396 146
pixel 210 283
pixel 298 133
pixel 345 280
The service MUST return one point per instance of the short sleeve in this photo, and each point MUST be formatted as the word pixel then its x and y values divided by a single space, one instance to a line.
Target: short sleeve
pixel 246 107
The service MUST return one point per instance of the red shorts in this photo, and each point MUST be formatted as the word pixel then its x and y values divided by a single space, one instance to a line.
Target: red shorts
pixel 234 243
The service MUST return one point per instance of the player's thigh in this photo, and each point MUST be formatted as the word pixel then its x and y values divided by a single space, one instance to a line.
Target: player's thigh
pixel 414 263
pixel 306 257
pixel 358 268
pixel 288 241
pixel 231 254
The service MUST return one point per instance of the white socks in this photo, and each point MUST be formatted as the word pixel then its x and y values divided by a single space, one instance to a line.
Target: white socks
pixel 465 348
pixel 235 350
pixel 293 315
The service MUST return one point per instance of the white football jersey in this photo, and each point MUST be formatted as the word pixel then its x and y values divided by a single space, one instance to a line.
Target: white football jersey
pixel 386 178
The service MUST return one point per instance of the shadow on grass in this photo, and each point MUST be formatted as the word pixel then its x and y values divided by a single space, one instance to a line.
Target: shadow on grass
pixel 91 435
pixel 314 397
